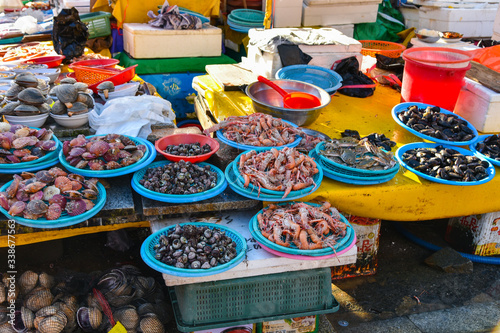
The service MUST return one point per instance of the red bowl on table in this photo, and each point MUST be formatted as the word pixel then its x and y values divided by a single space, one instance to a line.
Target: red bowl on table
pixel 51 61
pixel 98 63
pixel 177 139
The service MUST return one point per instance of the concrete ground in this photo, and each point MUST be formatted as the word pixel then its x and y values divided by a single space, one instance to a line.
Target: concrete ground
pixel 404 296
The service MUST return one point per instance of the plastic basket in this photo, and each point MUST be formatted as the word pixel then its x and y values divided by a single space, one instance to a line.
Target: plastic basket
pixel 98 63
pixel 98 24
pixel 252 299
pixel 120 77
pixel 388 49
pixel 92 75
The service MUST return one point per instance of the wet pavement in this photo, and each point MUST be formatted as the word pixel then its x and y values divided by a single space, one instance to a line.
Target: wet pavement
pixel 405 294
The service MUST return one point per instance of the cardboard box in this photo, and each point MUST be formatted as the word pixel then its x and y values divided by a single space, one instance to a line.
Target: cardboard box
pixel 144 41
pixel 475 234
pixel 367 240
pixel 342 13
pixel 264 59
pixel 480 106
pixel 307 324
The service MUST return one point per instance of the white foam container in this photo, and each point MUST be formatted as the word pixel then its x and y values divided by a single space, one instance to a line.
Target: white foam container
pixel 334 2
pixel 286 13
pixel 480 106
pixel 342 13
pixel 143 41
pixel 266 62
pixel 496 26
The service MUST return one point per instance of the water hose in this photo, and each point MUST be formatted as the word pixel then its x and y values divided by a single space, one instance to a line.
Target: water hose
pixel 432 247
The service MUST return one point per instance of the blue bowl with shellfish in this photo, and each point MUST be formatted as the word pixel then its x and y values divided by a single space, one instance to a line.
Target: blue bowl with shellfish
pixel 219 187
pixel 81 209
pixel 317 178
pixel 144 156
pixel 486 147
pixel 148 252
pixel 404 156
pixel 389 163
pixel 37 147
pixel 443 119
pixel 292 248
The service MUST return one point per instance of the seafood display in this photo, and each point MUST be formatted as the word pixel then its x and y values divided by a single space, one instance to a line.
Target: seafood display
pixel 27 51
pixel 432 122
pixel 379 140
pixel 53 304
pixel 105 88
pixel 195 247
pixel 490 147
pixel 20 143
pixel 106 152
pixel 257 129
pixel 188 149
pixel 310 138
pixel 305 226
pixel 359 154
pixel 446 163
pixel 72 98
pixel 27 96
pixel 49 194
pixel 179 178
pixel 278 170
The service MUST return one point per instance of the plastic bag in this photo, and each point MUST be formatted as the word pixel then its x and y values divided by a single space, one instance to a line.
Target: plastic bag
pixel 69 34
pixel 389 23
pixel 131 116
pixel 354 82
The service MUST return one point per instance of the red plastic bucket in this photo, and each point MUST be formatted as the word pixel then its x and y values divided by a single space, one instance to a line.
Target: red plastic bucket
pixel 434 75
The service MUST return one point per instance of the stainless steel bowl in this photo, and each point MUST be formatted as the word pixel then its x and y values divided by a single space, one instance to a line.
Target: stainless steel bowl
pixel 267 100
pixel 428 39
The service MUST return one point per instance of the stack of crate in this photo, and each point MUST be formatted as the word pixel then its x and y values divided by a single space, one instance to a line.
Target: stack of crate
pixel 468 17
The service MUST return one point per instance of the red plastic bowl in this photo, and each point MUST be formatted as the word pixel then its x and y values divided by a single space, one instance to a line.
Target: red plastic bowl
pixel 177 139
pixel 100 63
pixel 51 61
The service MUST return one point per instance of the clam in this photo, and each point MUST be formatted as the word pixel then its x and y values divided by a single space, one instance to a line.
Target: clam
pixel 53 324
pixel 77 108
pixel 36 207
pixel 22 142
pixel 17 208
pixel 44 176
pixel 13 91
pixel 150 323
pixel 27 281
pixel 106 87
pixel 128 316
pixel 38 299
pixel 9 108
pixel 80 86
pixel 99 148
pixel 26 110
pixel 45 280
pixel 59 108
pixel 31 96
pixel 67 94
pixel 44 108
pixel 47 311
pixel 7 328
pixel 85 99
pixel 42 84
pixel 27 317
pixel 89 318
pixel 26 80
pixel 68 80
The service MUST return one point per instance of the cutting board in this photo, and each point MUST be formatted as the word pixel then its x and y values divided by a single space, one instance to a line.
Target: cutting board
pixel 231 76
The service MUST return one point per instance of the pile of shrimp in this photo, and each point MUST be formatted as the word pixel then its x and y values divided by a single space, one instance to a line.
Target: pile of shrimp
pixel 257 129
pixel 278 170
pixel 306 226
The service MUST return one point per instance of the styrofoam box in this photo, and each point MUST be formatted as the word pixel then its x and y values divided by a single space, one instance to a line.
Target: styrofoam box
pixel 496 26
pixel 266 62
pixel 346 13
pixel 334 2
pixel 468 21
pixel 144 41
pixel 286 13
pixel 346 29
pixel 411 16
pixel 480 106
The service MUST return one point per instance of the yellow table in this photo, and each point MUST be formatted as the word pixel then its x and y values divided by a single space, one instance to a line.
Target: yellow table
pixel 407 197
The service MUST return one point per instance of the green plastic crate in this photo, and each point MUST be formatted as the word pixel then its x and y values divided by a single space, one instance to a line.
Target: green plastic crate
pixel 208 305
pixel 98 24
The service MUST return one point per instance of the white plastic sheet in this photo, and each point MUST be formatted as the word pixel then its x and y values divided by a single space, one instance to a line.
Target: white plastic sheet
pixel 131 116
